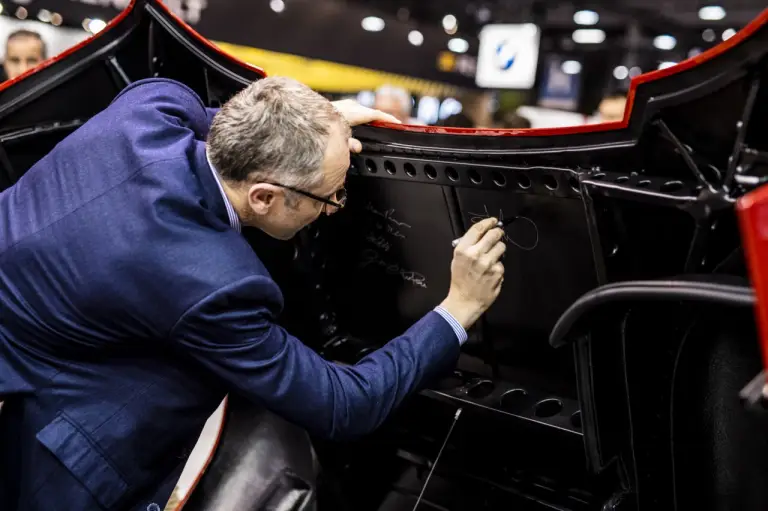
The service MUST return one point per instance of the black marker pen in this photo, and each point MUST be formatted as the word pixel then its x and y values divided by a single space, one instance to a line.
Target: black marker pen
pixel 499 224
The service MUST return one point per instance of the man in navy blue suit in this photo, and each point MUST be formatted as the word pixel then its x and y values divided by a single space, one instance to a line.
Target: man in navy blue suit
pixel 130 304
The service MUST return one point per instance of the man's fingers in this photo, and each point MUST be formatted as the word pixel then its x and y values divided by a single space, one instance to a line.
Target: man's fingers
pixel 477 231
pixel 357 114
pixel 498 270
pixel 378 115
pixel 495 253
pixel 489 240
pixel 355 145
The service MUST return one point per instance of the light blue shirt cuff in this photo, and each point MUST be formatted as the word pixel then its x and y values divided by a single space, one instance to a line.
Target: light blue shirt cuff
pixel 461 334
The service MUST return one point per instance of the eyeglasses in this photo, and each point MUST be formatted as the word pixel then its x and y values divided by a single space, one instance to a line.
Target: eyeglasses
pixel 340 195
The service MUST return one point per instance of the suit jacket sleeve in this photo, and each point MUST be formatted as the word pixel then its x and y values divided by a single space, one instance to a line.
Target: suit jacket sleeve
pixel 233 333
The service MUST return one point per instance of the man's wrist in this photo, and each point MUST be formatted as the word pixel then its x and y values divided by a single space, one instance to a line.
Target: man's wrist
pixel 461 333
pixel 466 314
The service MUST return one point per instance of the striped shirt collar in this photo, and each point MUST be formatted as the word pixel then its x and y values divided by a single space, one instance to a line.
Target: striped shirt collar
pixel 234 220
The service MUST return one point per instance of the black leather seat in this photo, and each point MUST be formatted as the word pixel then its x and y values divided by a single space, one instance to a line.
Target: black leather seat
pixel 261 463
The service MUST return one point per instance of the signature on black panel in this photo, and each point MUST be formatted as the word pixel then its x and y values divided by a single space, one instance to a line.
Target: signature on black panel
pixel 371 257
pixel 388 215
pixel 378 241
pixel 509 238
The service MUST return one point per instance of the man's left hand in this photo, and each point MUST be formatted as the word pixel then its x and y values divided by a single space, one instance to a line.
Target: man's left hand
pixel 356 114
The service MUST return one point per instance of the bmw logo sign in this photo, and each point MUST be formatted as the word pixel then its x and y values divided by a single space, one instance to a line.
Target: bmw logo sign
pixel 505 55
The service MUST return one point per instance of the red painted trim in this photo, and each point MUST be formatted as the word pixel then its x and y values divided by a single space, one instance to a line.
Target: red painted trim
pixel 489 132
pixel 209 44
pixel 752 211
pixel 183 502
pixel 117 19
pixel 710 54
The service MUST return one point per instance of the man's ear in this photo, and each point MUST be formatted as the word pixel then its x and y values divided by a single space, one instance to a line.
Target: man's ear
pixel 262 197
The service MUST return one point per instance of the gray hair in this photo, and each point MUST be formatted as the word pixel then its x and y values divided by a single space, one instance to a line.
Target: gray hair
pixel 276 129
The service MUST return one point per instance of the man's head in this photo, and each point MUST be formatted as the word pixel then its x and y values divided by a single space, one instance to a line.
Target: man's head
pixel 283 153
pixel 394 101
pixel 511 120
pixel 612 108
pixel 24 50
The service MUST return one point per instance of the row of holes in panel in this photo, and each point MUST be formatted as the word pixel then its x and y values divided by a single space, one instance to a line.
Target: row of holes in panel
pixel 667 187
pixel 518 401
pixel 499 179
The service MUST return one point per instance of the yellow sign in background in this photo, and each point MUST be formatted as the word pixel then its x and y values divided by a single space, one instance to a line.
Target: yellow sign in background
pixel 325 76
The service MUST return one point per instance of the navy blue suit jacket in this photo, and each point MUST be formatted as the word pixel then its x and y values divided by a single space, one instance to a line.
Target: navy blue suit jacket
pixel 129 307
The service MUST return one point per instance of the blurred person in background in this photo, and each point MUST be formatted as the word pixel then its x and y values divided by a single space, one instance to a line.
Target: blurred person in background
pixel 510 120
pixel 478 107
pixel 612 107
pixel 24 50
pixel 459 120
pixel 395 101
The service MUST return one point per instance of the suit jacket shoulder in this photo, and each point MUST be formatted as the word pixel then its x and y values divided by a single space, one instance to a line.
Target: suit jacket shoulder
pixel 124 219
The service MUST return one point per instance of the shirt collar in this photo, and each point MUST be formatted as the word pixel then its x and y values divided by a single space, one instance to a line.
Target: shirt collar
pixel 234 220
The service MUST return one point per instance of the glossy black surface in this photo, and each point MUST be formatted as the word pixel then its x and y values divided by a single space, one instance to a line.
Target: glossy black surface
pixel 262 463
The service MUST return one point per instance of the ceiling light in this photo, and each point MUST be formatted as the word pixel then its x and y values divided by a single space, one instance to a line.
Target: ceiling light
pixel 373 24
pixel 586 18
pixel 96 25
pixel 635 71
pixel 415 37
pixel 694 52
pixel 450 24
pixel 458 45
pixel 449 107
pixel 711 13
pixel 277 5
pixel 588 36
pixel 21 13
pixel 620 72
pixel 44 15
pixel 708 35
pixel 571 67
pixel 665 65
pixel 366 98
pixel 665 42
pixel 728 33
pixel 483 15
pixel 57 19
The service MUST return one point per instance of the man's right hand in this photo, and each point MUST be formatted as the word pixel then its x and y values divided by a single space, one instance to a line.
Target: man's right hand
pixel 476 273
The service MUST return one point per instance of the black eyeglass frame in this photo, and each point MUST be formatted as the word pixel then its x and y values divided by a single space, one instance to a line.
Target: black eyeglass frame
pixel 328 201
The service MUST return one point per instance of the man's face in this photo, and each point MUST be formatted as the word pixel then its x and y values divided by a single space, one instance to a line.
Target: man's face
pixel 393 106
pixel 22 54
pixel 612 109
pixel 292 211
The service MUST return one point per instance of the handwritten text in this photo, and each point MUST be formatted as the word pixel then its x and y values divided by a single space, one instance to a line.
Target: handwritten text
pixel 388 215
pixel 371 257
pixel 527 246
